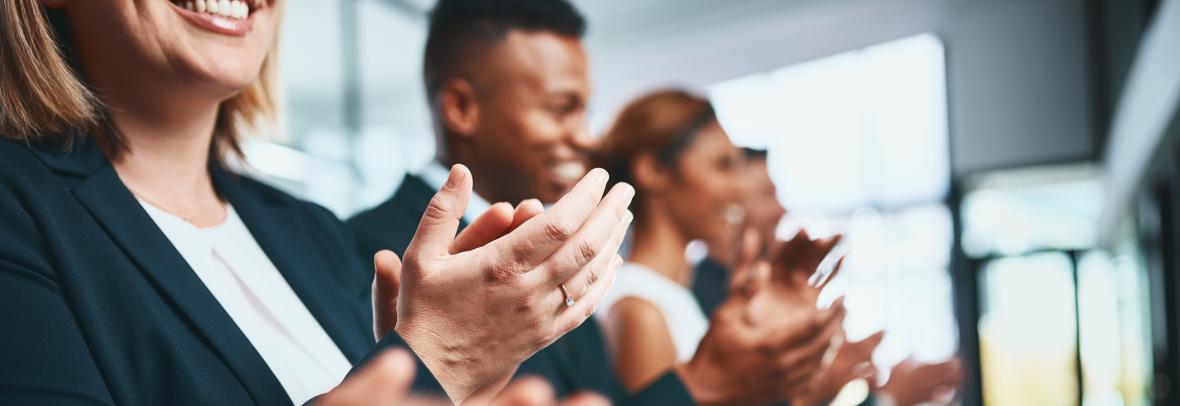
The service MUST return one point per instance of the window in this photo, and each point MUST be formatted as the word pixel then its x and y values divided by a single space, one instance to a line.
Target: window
pixel 858 145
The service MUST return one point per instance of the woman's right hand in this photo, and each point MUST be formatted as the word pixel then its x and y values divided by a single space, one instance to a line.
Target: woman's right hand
pixel 386 381
pixel 473 316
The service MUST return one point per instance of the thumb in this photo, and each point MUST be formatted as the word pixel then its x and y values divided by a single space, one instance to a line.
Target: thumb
pixel 385 381
pixel 440 222
pixel 387 281
pixel 749 282
pixel 528 391
pixel 489 226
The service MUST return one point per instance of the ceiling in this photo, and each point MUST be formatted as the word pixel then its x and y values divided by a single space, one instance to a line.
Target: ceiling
pixel 634 45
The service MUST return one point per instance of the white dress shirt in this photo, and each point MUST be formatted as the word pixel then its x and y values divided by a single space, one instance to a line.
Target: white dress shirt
pixel 435 175
pixel 249 287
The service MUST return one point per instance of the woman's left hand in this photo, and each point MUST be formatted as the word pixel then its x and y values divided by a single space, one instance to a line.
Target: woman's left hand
pixel 498 220
pixel 473 310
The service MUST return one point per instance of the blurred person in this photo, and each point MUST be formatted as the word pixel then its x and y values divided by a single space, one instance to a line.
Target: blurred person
pixel 909 382
pixel 507 85
pixel 136 268
pixel 761 211
pixel 686 172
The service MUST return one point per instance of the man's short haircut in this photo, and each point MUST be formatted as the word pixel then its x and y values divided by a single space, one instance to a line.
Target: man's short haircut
pixel 754 154
pixel 460 28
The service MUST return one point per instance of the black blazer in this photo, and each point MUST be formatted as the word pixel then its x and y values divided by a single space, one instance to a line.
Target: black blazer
pixel 710 284
pixel 98 307
pixel 576 362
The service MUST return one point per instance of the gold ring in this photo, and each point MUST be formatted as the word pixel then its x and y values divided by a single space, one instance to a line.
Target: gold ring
pixel 569 300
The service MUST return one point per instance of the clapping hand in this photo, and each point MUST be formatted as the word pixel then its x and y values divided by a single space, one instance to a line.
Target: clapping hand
pixel 853 361
pixel 753 353
pixel 474 306
pixel 386 381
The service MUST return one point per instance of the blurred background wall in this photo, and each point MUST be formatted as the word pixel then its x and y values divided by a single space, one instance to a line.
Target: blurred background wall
pixel 1004 169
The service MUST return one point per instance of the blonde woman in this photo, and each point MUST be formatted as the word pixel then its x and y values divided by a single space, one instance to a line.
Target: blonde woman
pixel 136 269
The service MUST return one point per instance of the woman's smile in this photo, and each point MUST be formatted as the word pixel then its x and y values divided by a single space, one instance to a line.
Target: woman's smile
pixel 229 17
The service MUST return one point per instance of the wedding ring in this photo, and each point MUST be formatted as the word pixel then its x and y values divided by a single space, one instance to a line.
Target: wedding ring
pixel 569 300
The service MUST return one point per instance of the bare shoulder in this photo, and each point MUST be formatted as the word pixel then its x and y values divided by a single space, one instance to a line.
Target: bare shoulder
pixel 635 313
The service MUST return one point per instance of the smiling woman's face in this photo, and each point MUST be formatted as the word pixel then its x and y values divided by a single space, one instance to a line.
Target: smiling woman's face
pixel 213 51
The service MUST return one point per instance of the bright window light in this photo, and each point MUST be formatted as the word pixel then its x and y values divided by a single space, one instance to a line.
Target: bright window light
pixel 861 128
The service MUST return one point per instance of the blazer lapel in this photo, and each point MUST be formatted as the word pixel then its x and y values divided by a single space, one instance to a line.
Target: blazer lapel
pixel 124 219
pixel 289 245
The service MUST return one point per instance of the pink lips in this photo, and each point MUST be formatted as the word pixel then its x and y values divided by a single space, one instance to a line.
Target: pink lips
pixel 217 24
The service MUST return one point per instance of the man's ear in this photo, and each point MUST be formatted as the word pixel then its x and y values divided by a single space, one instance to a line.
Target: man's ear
pixel 649 175
pixel 459 106
pixel 54 4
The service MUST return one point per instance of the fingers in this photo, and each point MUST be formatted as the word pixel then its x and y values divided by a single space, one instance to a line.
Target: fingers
pixel 802 361
pixel 584 307
pixel 525 211
pixel 489 226
pixel 750 282
pixel 747 257
pixel 863 349
pixel 581 282
pixel 819 249
pixel 539 237
pixel 532 391
pixel 820 281
pixel 600 235
pixel 814 334
pixel 439 223
pixel 384 381
pixel 585 399
pixel 386 282
pixel 528 391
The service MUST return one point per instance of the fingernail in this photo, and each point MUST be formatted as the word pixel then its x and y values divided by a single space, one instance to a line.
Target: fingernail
pixel 628 216
pixel 628 191
pixel 601 175
pixel 453 178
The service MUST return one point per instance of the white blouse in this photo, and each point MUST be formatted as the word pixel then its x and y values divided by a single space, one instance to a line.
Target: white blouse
pixel 685 320
pixel 238 273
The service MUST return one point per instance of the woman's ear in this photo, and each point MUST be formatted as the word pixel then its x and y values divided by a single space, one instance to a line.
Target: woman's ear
pixel 649 175
pixel 459 107
pixel 54 4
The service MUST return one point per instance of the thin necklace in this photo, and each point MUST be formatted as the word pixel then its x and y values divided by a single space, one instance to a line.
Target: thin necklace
pixel 188 218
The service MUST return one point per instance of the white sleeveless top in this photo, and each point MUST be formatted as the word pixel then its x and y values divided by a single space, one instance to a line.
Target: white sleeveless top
pixel 685 320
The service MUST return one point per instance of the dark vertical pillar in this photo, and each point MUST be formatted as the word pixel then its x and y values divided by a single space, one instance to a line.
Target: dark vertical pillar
pixel 965 287
pixel 1074 260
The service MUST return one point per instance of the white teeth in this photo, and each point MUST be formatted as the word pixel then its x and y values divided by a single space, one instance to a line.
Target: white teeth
pixel 572 171
pixel 235 9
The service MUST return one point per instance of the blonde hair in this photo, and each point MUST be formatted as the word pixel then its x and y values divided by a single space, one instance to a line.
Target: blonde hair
pixel 42 96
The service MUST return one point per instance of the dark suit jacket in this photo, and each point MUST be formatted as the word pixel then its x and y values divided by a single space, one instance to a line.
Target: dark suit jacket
pixel 98 307
pixel 576 362
pixel 710 284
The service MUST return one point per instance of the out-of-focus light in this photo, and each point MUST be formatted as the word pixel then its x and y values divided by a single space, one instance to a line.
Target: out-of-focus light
pixel 275 160
pixel 866 127
pixel 1027 211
